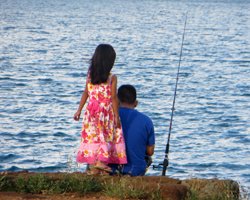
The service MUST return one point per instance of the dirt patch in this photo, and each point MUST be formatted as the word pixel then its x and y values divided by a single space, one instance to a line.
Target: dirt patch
pixel 18 196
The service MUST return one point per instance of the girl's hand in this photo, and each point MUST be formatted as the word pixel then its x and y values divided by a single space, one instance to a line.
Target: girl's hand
pixel 77 115
pixel 117 122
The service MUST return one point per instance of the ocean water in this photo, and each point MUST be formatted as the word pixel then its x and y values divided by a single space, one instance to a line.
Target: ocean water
pixel 45 47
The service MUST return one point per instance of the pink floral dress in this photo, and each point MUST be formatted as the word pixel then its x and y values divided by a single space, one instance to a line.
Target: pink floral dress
pixel 100 139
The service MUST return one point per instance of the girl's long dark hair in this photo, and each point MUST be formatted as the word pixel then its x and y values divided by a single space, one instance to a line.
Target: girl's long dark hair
pixel 101 63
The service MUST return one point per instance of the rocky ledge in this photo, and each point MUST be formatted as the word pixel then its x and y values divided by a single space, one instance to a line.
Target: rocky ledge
pixel 62 186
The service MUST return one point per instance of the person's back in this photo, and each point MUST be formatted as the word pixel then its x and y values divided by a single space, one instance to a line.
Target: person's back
pixel 138 132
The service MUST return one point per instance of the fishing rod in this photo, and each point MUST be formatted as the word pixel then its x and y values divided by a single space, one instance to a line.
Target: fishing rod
pixel 166 162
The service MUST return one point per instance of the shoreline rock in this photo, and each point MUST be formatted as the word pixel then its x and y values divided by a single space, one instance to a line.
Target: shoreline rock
pixel 61 186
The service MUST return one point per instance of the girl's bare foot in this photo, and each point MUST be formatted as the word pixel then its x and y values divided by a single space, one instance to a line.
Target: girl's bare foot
pixel 102 166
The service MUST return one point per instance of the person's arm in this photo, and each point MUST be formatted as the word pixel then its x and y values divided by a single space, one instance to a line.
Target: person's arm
pixel 151 140
pixel 150 150
pixel 82 102
pixel 149 153
pixel 115 103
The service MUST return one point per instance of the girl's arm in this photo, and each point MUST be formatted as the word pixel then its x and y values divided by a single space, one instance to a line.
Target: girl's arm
pixel 115 103
pixel 82 102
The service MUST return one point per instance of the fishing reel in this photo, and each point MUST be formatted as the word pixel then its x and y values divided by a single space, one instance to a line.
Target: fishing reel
pixel 162 166
pixel 149 162
pixel 158 167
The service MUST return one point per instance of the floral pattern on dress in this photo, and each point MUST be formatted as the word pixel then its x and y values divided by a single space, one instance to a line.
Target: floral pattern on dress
pixel 100 139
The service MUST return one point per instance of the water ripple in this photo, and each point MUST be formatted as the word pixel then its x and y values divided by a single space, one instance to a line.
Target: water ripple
pixel 44 57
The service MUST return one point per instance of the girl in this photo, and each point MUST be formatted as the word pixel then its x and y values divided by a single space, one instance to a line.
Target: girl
pixel 102 139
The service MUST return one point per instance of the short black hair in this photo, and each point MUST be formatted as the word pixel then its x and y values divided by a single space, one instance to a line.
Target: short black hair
pixel 127 94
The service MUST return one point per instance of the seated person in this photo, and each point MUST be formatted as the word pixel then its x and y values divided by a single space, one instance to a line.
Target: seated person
pixel 138 133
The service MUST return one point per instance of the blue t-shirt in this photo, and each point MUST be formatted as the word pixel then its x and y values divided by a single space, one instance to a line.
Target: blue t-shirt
pixel 138 131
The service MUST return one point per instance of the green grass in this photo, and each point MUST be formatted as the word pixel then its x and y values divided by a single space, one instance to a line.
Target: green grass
pixel 41 184
pixel 220 190
pixel 126 189
pixel 115 187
